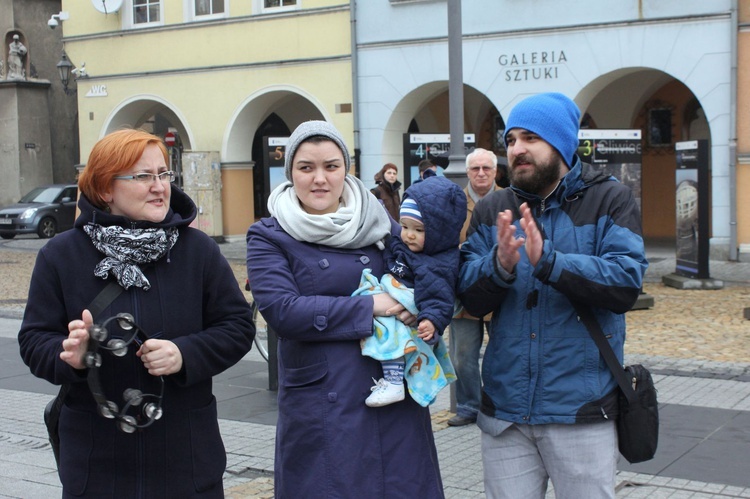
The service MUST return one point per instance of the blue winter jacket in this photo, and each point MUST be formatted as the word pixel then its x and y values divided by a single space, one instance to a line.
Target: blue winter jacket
pixel 433 273
pixel 541 366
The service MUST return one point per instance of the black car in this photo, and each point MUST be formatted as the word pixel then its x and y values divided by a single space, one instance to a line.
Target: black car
pixel 45 211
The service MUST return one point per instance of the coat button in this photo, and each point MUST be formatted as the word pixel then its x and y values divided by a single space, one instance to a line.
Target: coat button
pixel 333 396
pixel 364 259
pixel 320 320
pixel 533 335
pixel 324 264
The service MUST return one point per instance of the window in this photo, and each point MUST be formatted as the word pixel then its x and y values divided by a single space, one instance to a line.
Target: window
pixel 208 7
pixel 270 4
pixel 660 127
pixel 146 11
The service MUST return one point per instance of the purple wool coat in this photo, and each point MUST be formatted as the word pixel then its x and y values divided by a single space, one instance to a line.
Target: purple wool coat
pixel 328 442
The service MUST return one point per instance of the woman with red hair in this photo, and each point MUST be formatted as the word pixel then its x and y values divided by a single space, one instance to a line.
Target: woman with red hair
pixel 139 418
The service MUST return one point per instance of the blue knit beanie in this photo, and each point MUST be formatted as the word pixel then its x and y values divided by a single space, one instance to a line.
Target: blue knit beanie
pixel 311 129
pixel 409 209
pixel 552 116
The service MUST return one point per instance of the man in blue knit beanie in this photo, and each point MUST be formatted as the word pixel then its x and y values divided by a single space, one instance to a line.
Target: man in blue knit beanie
pixel 562 233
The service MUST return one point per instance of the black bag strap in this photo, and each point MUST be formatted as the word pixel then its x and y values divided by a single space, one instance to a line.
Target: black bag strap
pixel 605 349
pixel 104 298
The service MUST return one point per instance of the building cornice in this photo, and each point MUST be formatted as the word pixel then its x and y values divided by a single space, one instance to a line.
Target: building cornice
pixel 550 30
pixel 226 67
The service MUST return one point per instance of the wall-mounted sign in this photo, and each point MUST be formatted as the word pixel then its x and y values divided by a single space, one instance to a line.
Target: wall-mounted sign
pixel 537 65
pixel 97 91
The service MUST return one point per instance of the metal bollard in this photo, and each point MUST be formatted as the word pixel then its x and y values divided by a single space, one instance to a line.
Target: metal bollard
pixel 273 360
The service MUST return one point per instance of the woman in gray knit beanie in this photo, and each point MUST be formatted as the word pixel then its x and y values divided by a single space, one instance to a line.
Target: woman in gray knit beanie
pixel 310 129
pixel 304 264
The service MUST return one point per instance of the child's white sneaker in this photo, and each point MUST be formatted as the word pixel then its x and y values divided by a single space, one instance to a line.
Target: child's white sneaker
pixel 384 393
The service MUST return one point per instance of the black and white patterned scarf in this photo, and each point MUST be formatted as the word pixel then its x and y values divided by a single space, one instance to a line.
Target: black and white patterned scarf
pixel 125 249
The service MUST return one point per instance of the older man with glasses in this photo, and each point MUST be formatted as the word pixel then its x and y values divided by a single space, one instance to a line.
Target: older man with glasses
pixel 466 331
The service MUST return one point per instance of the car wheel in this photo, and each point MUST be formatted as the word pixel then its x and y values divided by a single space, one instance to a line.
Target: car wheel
pixel 7 236
pixel 47 228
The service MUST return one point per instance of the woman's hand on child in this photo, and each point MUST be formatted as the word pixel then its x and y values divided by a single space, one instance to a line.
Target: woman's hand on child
pixel 384 305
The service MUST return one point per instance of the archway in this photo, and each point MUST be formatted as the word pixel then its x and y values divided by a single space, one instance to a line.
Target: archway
pixel 272 112
pixel 425 110
pixel 633 98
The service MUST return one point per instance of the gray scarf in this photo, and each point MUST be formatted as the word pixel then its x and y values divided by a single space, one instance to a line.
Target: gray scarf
pixel 359 221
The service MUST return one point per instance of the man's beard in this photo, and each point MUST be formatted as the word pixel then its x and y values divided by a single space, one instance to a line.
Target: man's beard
pixel 544 174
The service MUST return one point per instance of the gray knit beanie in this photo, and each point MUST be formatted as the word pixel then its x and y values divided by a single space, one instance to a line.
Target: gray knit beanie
pixel 552 116
pixel 311 129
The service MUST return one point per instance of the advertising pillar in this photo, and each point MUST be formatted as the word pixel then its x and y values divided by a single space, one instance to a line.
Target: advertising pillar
pixel 691 204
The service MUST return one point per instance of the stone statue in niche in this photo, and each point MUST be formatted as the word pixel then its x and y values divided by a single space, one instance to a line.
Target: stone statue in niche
pixel 16 55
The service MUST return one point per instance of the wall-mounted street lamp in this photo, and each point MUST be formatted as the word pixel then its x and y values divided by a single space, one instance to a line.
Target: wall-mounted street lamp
pixel 64 68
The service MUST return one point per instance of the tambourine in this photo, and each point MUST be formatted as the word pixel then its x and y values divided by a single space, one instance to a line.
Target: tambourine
pixel 100 340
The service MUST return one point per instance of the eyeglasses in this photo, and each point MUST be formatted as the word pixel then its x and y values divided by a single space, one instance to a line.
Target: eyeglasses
pixel 475 169
pixel 147 178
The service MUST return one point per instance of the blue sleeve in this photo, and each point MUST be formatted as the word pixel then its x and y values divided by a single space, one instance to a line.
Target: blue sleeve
pixel 482 286
pixel 435 288
pixel 610 276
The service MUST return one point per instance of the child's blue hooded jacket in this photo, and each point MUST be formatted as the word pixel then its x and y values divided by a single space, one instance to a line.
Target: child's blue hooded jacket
pixel 433 273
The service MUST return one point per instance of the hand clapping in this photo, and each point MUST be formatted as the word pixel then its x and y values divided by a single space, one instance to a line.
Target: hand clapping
pixel 508 245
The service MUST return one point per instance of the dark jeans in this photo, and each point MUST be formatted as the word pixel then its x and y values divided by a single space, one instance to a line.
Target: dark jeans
pixel 466 340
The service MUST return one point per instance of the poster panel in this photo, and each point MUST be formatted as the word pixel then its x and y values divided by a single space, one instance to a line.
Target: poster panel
pixel 432 146
pixel 274 149
pixel 691 208
pixel 615 152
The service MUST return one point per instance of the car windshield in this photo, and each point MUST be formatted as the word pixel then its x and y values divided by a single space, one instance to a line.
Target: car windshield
pixel 41 195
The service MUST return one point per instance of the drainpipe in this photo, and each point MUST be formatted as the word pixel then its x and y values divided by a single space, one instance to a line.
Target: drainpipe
pixel 355 84
pixel 733 137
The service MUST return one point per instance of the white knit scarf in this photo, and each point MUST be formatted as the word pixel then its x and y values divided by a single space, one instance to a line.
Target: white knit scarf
pixel 359 221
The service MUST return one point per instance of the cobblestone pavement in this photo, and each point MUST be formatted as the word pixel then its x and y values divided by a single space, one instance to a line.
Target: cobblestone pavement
pixel 699 325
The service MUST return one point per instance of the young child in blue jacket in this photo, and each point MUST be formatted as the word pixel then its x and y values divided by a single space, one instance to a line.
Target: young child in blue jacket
pixel 424 257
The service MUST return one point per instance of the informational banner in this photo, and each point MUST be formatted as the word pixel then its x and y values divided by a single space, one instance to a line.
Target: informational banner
pixel 691 204
pixel 274 149
pixel 432 146
pixel 615 152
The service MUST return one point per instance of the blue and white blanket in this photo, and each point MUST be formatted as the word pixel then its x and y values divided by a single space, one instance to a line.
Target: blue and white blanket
pixel 428 369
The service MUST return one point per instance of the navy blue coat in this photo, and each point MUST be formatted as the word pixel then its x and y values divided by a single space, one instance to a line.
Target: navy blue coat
pixel 433 273
pixel 194 301
pixel 328 442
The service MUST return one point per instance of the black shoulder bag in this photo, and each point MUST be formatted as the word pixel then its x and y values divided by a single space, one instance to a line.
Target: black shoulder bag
pixel 53 408
pixel 638 421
